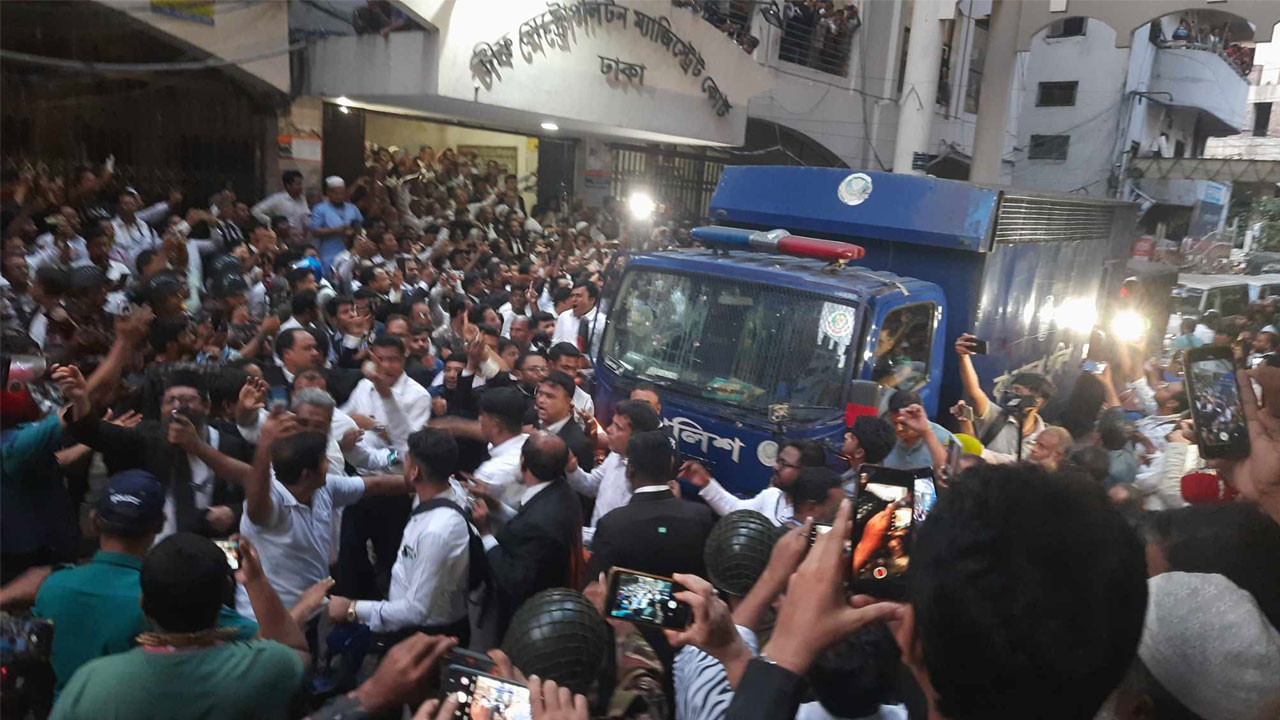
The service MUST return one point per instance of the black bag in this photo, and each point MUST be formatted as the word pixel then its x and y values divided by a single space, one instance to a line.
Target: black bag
pixel 478 567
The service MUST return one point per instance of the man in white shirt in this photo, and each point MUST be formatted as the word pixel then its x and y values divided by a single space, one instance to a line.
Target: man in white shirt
pixel 132 234
pixel 290 203
pixel 389 396
pixel 290 500
pixel 517 305
pixel 566 358
pixel 773 502
pixel 501 421
pixel 583 323
pixel 429 581
pixel 608 482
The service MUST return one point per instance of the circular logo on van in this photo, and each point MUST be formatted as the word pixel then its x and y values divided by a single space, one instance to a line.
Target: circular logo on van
pixel 767 453
pixel 854 189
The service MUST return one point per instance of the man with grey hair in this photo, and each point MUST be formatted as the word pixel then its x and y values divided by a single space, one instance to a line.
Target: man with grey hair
pixel 317 411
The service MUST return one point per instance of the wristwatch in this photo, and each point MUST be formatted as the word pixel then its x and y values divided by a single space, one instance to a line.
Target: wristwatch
pixel 351 611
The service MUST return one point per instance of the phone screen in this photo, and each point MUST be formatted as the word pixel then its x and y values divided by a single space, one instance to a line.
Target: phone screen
pixel 1215 405
pixel 883 520
pixel 646 599
pixel 979 347
pixel 25 638
pixel 486 696
pixel 231 549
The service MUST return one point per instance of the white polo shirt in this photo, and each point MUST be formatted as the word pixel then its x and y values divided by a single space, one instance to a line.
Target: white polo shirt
pixel 294 543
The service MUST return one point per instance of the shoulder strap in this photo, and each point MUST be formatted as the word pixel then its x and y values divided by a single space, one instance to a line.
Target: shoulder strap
pixel 478 565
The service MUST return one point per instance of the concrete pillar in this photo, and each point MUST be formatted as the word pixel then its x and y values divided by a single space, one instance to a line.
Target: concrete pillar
pixel 920 83
pixel 993 101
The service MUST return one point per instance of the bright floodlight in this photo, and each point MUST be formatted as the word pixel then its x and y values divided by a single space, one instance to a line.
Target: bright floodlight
pixel 1076 314
pixel 1128 326
pixel 641 205
pixel 343 100
pixel 550 126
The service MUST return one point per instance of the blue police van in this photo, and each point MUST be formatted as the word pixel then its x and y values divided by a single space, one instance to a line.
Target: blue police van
pixel 813 278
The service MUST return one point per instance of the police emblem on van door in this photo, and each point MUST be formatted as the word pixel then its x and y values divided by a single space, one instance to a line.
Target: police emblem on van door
pixel 854 189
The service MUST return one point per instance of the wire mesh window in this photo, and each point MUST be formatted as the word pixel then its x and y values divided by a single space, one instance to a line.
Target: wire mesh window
pixel 684 182
pixel 818 35
pixel 1049 147
pixel 1057 94
pixel 738 343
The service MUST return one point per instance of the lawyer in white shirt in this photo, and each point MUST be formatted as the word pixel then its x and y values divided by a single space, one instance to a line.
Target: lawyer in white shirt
pixel 290 499
pixel 608 482
pixel 501 423
pixel 584 309
pixel 389 396
pixel 290 203
pixel 428 591
pixel 773 502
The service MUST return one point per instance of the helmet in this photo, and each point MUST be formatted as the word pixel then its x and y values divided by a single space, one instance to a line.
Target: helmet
pixel 559 635
pixel 223 265
pixel 738 550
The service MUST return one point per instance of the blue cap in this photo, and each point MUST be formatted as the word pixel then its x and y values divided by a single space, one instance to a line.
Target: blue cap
pixel 132 499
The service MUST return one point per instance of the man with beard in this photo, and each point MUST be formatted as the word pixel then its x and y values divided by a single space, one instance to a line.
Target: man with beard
pixel 202 469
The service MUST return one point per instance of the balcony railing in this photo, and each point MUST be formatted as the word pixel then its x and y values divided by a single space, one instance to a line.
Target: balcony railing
pixel 814 33
pixel 1236 55
pixel 818 37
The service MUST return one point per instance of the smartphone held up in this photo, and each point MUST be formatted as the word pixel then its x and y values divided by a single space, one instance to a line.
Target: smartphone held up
pixel 645 600
pixel 481 695
pixel 1216 407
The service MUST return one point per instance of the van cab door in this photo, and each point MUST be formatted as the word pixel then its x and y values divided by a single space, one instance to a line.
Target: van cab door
pixel 903 347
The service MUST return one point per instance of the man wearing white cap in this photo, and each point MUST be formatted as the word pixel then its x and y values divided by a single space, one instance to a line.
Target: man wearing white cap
pixel 331 220
pixel 1207 651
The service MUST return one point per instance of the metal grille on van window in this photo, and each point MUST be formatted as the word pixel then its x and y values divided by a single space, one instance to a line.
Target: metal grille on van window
pixel 1034 219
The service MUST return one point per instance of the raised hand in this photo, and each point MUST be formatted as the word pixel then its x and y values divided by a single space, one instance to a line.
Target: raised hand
pixel 349 439
pixel 132 328
pixel 817 611
pixel 403 673
pixel 695 472
pixel 965 344
pixel 279 424
pixel 182 432
pixel 711 629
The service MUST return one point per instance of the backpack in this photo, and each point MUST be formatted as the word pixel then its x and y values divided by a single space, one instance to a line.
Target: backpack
pixel 478 566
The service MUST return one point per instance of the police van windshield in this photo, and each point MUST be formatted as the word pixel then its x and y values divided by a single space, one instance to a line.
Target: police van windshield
pixel 736 343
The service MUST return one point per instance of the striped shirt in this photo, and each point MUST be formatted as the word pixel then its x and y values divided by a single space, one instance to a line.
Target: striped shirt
pixel 702 689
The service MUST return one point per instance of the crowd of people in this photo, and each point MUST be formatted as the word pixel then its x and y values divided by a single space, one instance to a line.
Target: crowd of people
pixel 376 408
pixel 1210 37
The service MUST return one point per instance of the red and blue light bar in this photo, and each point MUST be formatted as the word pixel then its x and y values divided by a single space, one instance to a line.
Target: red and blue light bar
pixel 776 241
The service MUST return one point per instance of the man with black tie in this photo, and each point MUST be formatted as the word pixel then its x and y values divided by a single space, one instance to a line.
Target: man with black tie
pixel 539 545
pixel 655 532
pixel 554 403
pixel 298 350
pixel 202 469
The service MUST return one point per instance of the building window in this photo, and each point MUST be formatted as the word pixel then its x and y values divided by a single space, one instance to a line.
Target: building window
pixel 1179 149
pixel 1070 27
pixel 1261 119
pixel 1049 147
pixel 977 59
pixel 1057 94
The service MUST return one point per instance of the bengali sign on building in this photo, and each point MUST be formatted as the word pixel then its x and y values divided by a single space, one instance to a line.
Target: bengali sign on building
pixel 557 28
